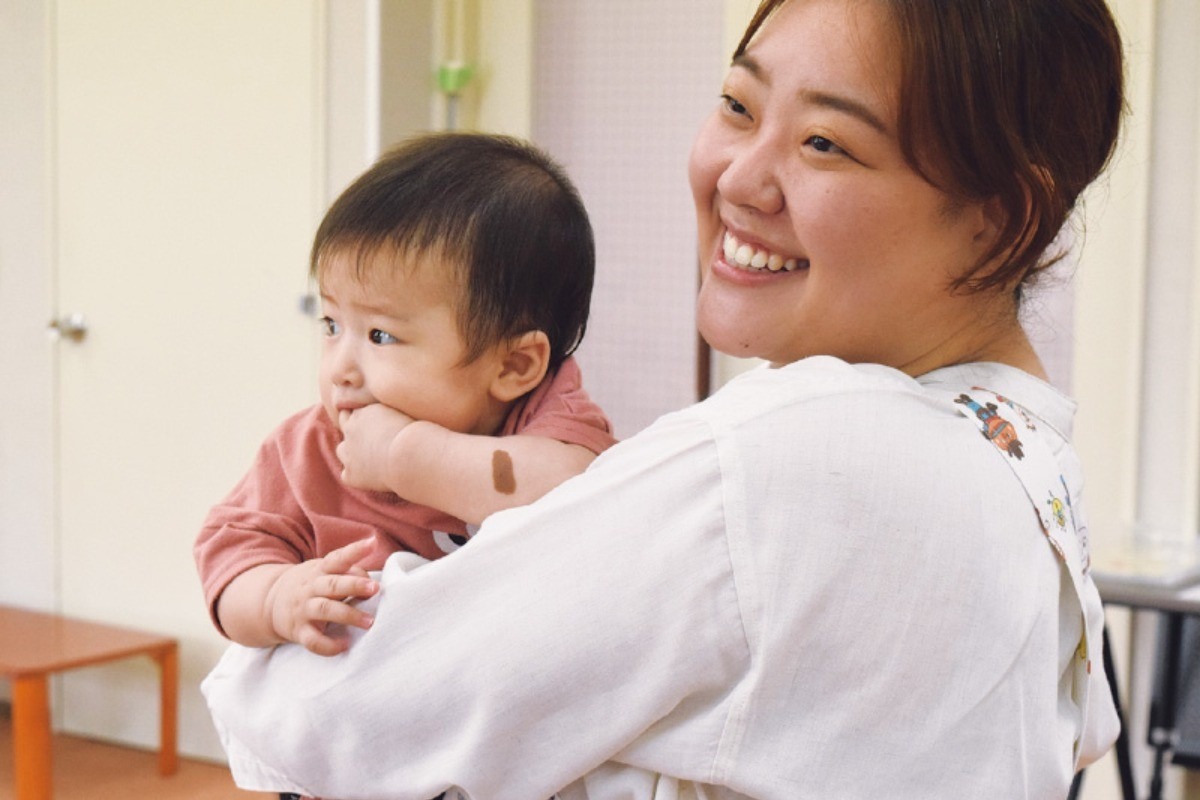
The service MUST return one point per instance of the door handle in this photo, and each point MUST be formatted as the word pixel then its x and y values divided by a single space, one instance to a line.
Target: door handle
pixel 71 326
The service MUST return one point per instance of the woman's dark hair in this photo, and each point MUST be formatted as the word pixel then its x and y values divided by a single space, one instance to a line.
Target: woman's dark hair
pixel 497 209
pixel 1018 101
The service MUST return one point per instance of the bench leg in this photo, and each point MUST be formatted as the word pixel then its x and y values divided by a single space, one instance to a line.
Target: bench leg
pixel 168 747
pixel 32 746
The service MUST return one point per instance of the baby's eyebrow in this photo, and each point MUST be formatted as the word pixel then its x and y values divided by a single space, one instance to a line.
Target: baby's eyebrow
pixel 381 310
pixel 375 309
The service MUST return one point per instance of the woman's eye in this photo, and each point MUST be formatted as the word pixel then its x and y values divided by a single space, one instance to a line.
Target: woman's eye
pixel 733 105
pixel 328 326
pixel 381 337
pixel 823 145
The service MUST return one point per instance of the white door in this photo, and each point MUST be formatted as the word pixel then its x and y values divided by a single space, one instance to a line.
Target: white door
pixel 188 178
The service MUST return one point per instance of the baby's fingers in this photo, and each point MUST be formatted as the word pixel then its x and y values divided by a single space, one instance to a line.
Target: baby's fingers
pixel 344 559
pixel 346 587
pixel 316 641
pixel 325 611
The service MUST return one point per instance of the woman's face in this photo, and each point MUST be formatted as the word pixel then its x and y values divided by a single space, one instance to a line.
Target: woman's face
pixel 816 236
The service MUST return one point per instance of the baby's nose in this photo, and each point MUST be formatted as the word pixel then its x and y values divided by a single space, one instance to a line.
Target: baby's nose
pixel 346 370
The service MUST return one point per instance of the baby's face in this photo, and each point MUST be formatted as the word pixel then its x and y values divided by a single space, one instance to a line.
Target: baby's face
pixel 391 337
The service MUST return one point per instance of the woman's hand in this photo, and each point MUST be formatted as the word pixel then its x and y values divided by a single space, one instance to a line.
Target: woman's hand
pixel 306 598
pixel 368 434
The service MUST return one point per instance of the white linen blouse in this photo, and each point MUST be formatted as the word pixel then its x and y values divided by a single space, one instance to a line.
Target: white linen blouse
pixel 821 582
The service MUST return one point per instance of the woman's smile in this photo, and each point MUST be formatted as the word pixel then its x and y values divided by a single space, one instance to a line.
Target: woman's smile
pixel 755 258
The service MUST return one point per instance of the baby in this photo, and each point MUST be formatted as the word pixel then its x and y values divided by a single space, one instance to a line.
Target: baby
pixel 455 278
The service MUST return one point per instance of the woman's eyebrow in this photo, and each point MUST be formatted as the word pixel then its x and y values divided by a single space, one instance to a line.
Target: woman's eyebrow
pixel 836 102
pixel 846 105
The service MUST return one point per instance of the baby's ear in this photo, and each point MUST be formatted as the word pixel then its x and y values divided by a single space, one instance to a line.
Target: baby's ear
pixel 525 362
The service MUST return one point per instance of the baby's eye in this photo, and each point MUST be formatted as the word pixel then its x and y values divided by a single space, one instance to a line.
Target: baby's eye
pixel 823 145
pixel 329 327
pixel 381 337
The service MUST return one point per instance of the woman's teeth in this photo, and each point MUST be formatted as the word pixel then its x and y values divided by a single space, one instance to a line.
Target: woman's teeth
pixel 747 257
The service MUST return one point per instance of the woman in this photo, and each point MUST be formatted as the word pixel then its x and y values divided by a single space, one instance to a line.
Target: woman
pixel 821 582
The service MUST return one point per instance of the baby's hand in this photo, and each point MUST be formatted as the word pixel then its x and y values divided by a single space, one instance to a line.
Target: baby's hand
pixel 367 435
pixel 308 597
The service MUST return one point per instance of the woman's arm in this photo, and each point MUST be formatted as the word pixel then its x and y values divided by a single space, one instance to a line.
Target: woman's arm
pixel 557 637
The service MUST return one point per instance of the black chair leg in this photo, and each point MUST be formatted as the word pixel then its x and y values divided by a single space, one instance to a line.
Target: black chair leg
pixel 1124 762
pixel 1076 785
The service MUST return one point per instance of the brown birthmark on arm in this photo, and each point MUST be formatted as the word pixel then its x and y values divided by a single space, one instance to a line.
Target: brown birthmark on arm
pixel 502 472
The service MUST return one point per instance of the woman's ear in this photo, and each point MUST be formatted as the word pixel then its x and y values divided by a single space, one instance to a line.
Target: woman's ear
pixel 996 216
pixel 993 218
pixel 525 362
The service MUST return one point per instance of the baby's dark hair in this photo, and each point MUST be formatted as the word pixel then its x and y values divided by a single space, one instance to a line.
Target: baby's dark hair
pixel 499 210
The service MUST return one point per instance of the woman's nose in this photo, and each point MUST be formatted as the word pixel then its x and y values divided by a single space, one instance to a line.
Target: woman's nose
pixel 751 176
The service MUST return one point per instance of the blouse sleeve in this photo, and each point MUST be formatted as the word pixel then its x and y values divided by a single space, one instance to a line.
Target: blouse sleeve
pixel 564 632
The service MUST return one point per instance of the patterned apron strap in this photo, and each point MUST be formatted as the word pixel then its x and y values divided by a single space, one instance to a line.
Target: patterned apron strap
pixel 1014 435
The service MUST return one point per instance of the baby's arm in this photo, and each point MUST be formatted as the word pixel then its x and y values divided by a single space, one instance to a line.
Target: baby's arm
pixel 467 476
pixel 274 603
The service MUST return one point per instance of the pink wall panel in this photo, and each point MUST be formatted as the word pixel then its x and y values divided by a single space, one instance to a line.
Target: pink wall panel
pixel 621 87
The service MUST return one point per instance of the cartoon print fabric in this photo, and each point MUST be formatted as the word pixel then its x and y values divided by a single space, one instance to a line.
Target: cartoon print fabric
pixel 1014 434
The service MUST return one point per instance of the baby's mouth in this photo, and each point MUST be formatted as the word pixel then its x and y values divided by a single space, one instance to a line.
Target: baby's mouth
pixel 748 257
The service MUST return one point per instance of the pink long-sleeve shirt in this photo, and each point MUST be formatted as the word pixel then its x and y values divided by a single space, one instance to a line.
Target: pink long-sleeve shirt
pixel 292 505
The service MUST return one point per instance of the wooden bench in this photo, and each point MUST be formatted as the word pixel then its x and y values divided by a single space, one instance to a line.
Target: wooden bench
pixel 35 645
